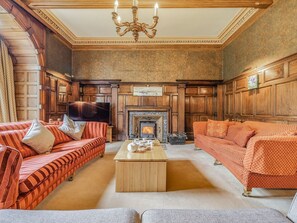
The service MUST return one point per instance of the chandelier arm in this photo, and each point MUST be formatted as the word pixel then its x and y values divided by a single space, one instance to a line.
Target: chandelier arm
pixel 124 32
pixel 154 31
pixel 153 25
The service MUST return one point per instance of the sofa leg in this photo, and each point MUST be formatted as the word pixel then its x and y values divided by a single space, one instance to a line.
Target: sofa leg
pixel 197 148
pixel 247 192
pixel 101 155
pixel 216 163
pixel 71 177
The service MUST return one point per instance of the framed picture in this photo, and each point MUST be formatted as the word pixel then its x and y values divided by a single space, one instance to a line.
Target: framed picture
pixel 147 91
pixel 253 82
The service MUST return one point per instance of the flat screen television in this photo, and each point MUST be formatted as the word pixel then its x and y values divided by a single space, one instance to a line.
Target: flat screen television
pixel 89 111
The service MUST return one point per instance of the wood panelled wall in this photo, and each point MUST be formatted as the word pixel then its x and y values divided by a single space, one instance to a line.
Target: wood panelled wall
pixel 25 39
pixel 58 94
pixel 185 103
pixel 274 101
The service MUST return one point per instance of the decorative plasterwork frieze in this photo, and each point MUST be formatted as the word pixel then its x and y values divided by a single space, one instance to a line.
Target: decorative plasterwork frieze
pixel 243 16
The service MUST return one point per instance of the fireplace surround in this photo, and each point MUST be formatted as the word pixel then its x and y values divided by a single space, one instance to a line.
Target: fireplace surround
pixel 155 120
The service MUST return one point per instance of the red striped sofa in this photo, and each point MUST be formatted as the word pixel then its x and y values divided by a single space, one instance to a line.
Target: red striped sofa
pixel 26 178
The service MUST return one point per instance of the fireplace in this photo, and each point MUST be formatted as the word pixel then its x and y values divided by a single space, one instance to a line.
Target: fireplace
pixel 147 129
pixel 148 124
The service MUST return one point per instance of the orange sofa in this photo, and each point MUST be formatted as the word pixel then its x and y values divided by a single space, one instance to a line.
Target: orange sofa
pixel 26 177
pixel 269 159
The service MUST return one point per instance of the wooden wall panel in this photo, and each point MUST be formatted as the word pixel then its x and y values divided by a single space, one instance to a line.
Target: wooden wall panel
pixel 199 106
pixel 199 102
pixel 286 100
pixel 247 104
pixel 237 103
pixel 263 101
pixel 274 101
pixel 27 94
pixel 274 73
pixel 293 67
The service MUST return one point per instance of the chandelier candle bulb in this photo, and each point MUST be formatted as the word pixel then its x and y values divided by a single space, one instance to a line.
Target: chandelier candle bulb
pixel 116 4
pixel 156 9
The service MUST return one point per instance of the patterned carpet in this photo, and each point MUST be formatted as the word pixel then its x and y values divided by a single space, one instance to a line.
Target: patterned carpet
pixel 192 182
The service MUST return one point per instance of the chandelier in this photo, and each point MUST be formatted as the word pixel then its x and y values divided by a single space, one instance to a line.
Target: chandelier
pixel 135 27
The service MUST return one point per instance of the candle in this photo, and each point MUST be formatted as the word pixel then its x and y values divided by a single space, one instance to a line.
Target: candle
pixel 135 3
pixel 156 9
pixel 116 4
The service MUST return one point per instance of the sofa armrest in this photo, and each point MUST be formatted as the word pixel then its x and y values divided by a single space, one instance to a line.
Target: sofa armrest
pixel 199 128
pixel 271 155
pixel 10 165
pixel 94 130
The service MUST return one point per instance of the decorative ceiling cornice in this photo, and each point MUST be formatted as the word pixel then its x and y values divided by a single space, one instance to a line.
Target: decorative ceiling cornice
pixel 50 19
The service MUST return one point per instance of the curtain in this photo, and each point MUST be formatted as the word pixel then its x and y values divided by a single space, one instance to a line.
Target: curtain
pixel 7 93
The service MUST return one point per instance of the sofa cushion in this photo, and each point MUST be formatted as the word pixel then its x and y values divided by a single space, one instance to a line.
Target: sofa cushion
pixel 112 215
pixel 243 136
pixel 232 131
pixel 60 137
pixel 72 129
pixel 39 138
pixel 10 164
pixel 217 128
pixel 213 216
pixel 37 168
pixel 13 138
pixel 83 145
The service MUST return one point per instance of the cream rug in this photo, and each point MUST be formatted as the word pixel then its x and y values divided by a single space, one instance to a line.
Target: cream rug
pixel 192 182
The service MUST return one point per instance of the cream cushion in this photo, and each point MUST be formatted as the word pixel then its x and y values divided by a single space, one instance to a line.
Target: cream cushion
pixel 39 138
pixel 72 129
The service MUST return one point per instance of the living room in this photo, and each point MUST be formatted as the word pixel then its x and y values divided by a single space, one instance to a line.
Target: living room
pixel 202 70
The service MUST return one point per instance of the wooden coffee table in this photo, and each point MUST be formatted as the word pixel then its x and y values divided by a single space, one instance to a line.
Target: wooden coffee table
pixel 140 172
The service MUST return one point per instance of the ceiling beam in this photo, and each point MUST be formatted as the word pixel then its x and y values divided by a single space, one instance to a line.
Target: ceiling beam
pixel 51 4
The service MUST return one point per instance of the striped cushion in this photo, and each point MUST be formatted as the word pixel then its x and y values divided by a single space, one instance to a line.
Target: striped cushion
pixel 35 169
pixel 16 125
pixel 10 164
pixel 14 138
pixel 60 137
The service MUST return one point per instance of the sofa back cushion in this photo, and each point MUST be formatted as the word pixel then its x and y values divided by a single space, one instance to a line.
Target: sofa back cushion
pixel 270 129
pixel 217 128
pixel 16 125
pixel 10 164
pixel 60 137
pixel 13 139
pixel 233 130
pixel 243 136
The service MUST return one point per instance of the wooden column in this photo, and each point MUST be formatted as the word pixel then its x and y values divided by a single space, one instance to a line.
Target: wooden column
pixel 181 107
pixel 75 91
pixel 220 102
pixel 114 109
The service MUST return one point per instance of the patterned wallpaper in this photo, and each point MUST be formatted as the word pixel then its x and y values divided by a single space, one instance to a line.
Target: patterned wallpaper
pixel 148 65
pixel 272 37
pixel 58 56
